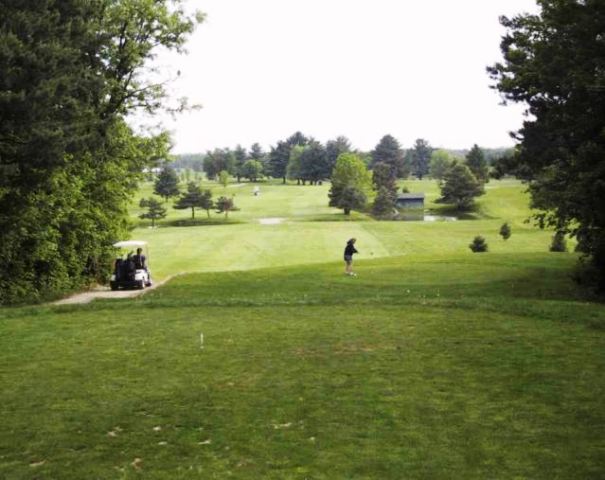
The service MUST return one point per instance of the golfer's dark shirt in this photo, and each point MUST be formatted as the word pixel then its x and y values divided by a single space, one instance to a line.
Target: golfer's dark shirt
pixel 139 261
pixel 350 250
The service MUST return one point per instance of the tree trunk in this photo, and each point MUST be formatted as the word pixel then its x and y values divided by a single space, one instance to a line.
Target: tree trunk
pixel 347 211
pixel 192 213
pixel 208 212
pixel 284 180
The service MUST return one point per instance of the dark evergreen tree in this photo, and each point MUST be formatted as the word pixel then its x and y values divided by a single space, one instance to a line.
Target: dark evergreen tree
pixel 239 159
pixel 155 210
pixel 333 149
pixel 479 245
pixel 460 187
pixel 389 151
pixel 475 159
pixel 505 231
pixel 384 203
pixel 167 183
pixel 553 63
pixel 420 158
pixel 314 163
pixel 256 153
pixel 382 176
pixel 278 160
pixel 193 198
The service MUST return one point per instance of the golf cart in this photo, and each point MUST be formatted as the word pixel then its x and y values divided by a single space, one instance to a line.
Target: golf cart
pixel 132 271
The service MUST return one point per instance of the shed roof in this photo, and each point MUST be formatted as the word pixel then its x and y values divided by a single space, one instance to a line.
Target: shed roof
pixel 410 196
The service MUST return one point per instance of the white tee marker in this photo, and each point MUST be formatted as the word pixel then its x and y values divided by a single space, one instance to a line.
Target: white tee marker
pixel 201 341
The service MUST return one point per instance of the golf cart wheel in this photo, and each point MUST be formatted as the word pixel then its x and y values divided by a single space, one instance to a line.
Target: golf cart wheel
pixel 141 285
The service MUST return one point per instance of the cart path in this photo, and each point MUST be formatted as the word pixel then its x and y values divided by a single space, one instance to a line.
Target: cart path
pixel 106 292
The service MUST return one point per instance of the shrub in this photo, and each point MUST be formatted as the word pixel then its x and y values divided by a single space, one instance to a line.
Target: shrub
pixel 559 244
pixel 479 245
pixel 505 231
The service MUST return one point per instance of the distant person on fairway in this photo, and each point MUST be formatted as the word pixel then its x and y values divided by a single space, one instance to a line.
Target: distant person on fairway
pixel 349 251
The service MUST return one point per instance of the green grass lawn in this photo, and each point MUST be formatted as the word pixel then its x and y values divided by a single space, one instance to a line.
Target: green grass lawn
pixel 471 366
pixel 312 232
pixel 433 363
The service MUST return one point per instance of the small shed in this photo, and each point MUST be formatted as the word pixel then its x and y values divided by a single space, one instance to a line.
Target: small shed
pixel 410 201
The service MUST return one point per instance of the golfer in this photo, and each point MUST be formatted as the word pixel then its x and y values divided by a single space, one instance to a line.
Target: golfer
pixel 349 251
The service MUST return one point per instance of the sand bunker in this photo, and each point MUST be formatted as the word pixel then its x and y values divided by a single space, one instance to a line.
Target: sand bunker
pixel 270 221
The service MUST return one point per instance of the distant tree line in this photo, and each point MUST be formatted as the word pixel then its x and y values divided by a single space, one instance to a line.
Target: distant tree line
pixel 307 161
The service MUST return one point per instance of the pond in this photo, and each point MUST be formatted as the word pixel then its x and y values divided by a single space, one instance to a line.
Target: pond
pixel 421 217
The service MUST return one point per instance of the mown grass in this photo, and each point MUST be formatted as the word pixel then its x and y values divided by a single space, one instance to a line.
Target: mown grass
pixel 433 363
pixel 312 232
pixel 463 366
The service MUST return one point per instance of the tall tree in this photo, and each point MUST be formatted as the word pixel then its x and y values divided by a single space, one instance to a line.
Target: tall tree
pixel 294 170
pixel 218 160
pixel 278 160
pixel 421 156
pixel 333 150
pixel 71 72
pixel 239 158
pixel 252 170
pixel 155 210
pixel 257 153
pixel 554 63
pixel 441 161
pixel 389 151
pixel 351 183
pixel 167 183
pixel 475 159
pixel 314 163
pixel 460 187
pixel 193 198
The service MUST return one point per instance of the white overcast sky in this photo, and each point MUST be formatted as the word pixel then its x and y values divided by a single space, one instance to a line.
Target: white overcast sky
pixel 262 69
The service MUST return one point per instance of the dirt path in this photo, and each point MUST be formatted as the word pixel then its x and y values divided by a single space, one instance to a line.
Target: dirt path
pixel 106 292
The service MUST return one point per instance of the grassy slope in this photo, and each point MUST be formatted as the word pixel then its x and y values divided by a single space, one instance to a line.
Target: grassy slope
pixel 471 367
pixel 433 363
pixel 302 240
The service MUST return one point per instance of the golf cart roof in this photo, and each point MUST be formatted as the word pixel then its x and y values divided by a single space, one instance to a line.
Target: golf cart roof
pixel 130 243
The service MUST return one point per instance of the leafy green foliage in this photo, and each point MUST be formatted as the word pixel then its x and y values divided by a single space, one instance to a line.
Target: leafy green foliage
pixel 460 187
pixel 441 161
pixel 71 72
pixel 553 63
pixel 225 205
pixel 218 160
pixel 351 181
pixel 252 170
pixel 155 210
pixel 223 178
pixel 479 245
